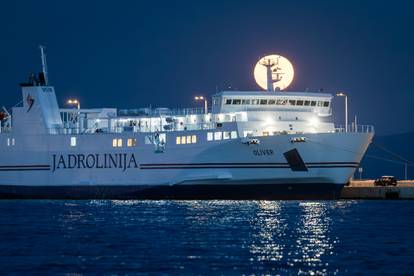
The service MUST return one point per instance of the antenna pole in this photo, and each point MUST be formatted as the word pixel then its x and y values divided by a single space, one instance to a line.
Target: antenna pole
pixel 44 63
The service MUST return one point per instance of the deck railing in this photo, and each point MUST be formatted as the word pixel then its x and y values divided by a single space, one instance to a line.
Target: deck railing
pixel 77 130
pixel 161 112
pixel 355 128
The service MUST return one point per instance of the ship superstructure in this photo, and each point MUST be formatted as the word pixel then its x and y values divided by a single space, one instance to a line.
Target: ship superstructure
pixel 250 144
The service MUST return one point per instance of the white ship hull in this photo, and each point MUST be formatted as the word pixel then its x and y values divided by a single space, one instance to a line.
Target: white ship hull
pixel 45 166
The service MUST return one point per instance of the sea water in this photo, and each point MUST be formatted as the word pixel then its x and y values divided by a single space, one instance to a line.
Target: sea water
pixel 207 237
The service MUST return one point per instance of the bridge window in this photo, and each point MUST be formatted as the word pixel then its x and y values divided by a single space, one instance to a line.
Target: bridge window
pixel 281 102
pixel 307 103
pixel 271 102
pixel 325 104
pixel 292 102
pixel 299 102
pixel 245 101
pixel 236 101
pixel 255 101
pixel 73 141
pixel 228 101
pixel 209 136
pixel 132 142
pixel 313 103
pixel 320 104
pixel 263 102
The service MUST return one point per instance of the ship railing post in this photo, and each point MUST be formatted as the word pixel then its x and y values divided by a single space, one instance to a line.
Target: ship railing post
pixel 406 171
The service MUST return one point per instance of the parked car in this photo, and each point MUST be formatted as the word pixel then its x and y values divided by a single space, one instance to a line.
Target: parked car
pixel 386 181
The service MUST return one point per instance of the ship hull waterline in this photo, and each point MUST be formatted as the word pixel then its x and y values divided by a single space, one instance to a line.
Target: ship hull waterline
pixel 303 191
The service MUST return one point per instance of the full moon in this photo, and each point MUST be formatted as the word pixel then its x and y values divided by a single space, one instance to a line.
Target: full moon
pixel 282 72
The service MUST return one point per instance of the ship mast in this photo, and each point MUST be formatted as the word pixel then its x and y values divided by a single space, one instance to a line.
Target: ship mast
pixel 272 73
pixel 268 63
pixel 44 63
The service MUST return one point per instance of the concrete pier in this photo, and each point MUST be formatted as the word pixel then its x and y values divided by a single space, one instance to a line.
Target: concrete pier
pixel 365 189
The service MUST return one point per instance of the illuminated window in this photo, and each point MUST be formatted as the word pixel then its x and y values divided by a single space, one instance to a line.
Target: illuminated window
pixel 265 133
pixel 119 143
pixel 194 139
pixel 8 142
pixel 132 142
pixel 183 140
pixel 114 142
pixel 217 135
pixel 209 136
pixel 178 140
pixel 226 135
pixel 189 139
pixel 233 135
pixel 13 142
pixel 73 141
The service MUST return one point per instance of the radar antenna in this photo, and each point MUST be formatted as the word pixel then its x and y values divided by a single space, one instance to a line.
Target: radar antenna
pixel 44 63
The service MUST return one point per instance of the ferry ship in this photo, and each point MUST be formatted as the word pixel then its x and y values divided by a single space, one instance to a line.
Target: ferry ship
pixel 249 145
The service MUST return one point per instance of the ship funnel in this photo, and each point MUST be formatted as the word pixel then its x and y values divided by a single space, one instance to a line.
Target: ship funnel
pixel 40 111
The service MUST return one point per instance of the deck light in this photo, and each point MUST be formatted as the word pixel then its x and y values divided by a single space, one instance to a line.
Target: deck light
pixel 74 102
pixel 314 122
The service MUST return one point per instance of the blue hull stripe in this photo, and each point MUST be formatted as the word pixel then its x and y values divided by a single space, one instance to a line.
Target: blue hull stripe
pixel 174 166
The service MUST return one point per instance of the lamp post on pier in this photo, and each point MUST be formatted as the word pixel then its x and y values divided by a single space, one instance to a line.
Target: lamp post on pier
pixel 202 98
pixel 341 94
pixel 76 103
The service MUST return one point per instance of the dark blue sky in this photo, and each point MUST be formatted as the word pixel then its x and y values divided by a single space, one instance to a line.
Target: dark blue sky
pixel 129 54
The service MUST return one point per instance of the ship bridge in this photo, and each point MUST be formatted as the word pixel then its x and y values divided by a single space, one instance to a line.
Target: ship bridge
pixel 235 101
pixel 273 112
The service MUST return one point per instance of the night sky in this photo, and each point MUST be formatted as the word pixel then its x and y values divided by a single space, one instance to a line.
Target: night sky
pixel 128 54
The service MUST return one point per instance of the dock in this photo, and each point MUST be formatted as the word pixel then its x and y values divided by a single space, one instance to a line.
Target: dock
pixel 365 189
